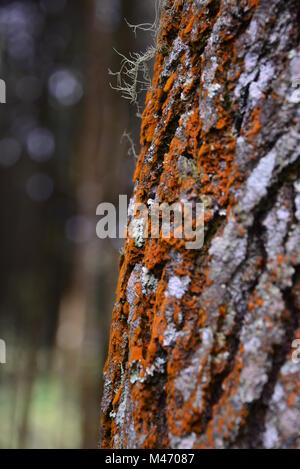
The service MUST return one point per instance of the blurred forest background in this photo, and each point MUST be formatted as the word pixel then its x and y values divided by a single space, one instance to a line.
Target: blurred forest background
pixel 61 154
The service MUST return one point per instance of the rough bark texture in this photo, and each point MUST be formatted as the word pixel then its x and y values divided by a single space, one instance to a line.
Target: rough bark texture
pixel 200 347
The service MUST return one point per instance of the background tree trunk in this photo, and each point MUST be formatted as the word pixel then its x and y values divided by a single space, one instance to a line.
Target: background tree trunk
pixel 200 346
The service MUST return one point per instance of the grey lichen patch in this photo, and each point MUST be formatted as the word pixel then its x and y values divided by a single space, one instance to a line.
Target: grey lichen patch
pixel 211 91
pixel 185 442
pixel 271 437
pixel 186 384
pixel 131 205
pixel 123 416
pixel 171 335
pixel 133 322
pixel 140 375
pixel 262 330
pixel 257 88
pixel 276 224
pixel 293 245
pixel 131 286
pixel 259 181
pixel 294 96
pixel 297 199
pixel 282 425
pixel 138 231
pixel 252 382
pixel 149 281
pixel 178 286
pixel 228 252
pixel 246 77
pixel 135 372
pixel 207 338
pixel 136 222
pixel 201 3
pixel 294 57
pixel 178 49
pixel 158 367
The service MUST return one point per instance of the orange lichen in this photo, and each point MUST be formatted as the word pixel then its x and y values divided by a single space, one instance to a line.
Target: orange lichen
pixel 169 83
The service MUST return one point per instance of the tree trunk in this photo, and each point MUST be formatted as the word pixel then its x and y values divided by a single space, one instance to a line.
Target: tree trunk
pixel 201 341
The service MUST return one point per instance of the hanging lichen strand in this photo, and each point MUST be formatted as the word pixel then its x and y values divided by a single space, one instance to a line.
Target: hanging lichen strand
pixel 200 346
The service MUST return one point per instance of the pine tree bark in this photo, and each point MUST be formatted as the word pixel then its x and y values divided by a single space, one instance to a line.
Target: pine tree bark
pixel 200 346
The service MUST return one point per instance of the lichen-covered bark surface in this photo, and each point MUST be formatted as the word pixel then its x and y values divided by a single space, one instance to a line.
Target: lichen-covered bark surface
pixel 200 347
